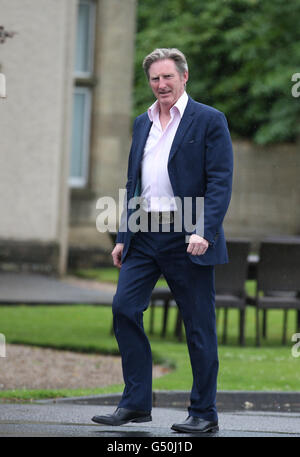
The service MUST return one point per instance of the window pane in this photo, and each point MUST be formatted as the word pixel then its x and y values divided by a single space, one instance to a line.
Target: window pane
pixel 84 38
pixel 80 137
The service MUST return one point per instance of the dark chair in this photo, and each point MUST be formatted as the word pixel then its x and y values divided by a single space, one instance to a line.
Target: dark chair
pixel 230 282
pixel 164 295
pixel 278 279
pixel 230 290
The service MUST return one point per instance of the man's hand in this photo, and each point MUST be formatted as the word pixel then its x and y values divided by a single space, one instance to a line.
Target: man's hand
pixel 117 254
pixel 197 245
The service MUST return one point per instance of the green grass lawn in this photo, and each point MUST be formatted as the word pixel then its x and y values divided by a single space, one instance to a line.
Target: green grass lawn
pixel 86 328
pixel 106 275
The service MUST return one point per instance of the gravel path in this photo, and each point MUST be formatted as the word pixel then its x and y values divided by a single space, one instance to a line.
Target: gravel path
pixel 37 368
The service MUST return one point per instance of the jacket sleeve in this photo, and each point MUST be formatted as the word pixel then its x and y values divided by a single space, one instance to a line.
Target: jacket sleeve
pixel 218 174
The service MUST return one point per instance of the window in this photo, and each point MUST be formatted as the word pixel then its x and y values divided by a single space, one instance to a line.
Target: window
pixel 82 98
pixel 80 136
pixel 85 39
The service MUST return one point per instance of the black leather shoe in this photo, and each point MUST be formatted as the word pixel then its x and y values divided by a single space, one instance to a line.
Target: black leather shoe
pixel 122 416
pixel 196 425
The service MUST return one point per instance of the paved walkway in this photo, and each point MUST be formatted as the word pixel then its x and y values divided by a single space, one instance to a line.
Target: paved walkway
pixel 33 289
pixel 73 420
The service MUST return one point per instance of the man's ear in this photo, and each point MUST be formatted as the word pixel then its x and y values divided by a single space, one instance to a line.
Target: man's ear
pixel 186 77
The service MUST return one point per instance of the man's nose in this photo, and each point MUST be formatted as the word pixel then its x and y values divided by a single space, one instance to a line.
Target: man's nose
pixel 161 83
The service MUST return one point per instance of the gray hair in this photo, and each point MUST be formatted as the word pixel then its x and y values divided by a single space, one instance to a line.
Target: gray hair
pixel 166 53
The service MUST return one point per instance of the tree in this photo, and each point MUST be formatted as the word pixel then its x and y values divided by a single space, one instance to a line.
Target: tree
pixel 241 55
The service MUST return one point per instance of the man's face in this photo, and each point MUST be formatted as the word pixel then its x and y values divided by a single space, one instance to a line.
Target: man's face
pixel 166 82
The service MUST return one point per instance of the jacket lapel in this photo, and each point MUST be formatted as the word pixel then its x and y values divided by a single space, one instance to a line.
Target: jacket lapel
pixel 185 122
pixel 143 135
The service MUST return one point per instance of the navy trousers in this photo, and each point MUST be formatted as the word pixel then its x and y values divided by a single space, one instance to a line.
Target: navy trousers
pixel 150 255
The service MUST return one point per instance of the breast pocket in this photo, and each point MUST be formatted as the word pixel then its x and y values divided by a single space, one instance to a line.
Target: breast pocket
pixel 192 153
pixel 193 141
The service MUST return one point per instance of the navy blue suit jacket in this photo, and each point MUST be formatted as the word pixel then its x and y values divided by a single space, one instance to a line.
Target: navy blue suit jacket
pixel 200 165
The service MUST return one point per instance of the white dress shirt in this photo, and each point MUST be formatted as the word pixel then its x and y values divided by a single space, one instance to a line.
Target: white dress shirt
pixel 156 188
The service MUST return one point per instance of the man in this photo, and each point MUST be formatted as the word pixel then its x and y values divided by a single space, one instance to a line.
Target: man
pixel 180 148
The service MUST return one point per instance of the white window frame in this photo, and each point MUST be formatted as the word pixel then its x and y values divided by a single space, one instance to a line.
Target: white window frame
pixel 91 38
pixel 82 85
pixel 81 181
